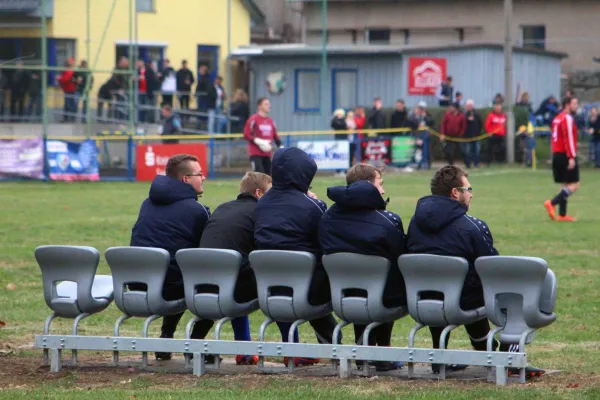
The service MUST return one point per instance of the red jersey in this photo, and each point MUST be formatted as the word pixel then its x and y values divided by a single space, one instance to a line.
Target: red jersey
pixel 67 81
pixel 564 135
pixel 261 127
pixel 496 124
pixel 142 80
pixel 360 121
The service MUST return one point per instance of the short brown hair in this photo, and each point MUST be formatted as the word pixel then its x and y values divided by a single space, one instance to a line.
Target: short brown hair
pixel 446 179
pixel 260 101
pixel 179 165
pixel 255 180
pixel 362 172
pixel 567 101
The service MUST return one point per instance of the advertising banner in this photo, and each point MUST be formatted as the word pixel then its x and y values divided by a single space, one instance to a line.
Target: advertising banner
pixel 69 161
pixel 328 154
pixel 376 150
pixel 403 150
pixel 152 159
pixel 425 75
pixel 22 158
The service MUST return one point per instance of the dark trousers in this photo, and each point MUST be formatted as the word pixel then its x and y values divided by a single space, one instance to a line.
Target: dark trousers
pixel 449 149
pixel 496 149
pixel 470 151
pixel 261 164
pixel 167 99
pixel 17 105
pixel 184 101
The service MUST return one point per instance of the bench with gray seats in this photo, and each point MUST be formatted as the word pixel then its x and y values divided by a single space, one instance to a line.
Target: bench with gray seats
pixel 505 280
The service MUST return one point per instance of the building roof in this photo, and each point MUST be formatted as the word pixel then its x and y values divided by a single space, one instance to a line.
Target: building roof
pixel 255 12
pixel 300 49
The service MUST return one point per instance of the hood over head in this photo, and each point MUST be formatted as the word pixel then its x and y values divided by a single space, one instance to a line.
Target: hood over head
pixel 293 168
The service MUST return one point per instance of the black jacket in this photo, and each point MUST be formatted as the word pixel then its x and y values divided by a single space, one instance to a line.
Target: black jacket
pixel 377 119
pixel 399 119
pixel 441 226
pixel 358 223
pixel 231 226
pixel 475 126
pixel 182 76
pixel 286 217
pixel 212 96
pixel 170 218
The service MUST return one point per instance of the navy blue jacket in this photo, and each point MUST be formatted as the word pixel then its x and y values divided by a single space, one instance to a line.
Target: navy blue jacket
pixel 286 218
pixel 170 218
pixel 441 226
pixel 358 223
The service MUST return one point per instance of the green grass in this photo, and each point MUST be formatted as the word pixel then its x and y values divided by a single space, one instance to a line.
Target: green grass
pixel 510 201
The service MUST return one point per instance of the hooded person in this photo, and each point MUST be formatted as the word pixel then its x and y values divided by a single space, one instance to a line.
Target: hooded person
pixel 287 218
pixel 171 218
pixel 359 223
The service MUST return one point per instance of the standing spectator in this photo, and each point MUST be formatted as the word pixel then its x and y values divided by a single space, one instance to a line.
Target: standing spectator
pixel 202 88
pixel 19 84
pixel 446 93
pixel 361 119
pixel 168 83
pixel 3 87
pixel 152 90
pixel 498 99
pixel 420 120
pixel 594 132
pixel 338 123
pixel 239 109
pixel 260 132
pixel 142 87
pixel 120 90
pixel 171 124
pixel 524 102
pixel 69 86
pixel 459 99
pixel 185 80
pixel 377 116
pixel 82 78
pixel 472 149
pixel 453 126
pixel 215 99
pixel 34 109
pixel 399 118
pixel 549 108
pixel 351 126
pixel 495 126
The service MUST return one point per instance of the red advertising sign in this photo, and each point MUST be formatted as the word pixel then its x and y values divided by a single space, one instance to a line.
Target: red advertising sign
pixel 425 75
pixel 376 150
pixel 152 159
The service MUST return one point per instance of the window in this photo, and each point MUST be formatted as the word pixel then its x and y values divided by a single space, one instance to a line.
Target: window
pixel 65 49
pixel 306 90
pixel 378 36
pixel 144 5
pixel 344 89
pixel 533 36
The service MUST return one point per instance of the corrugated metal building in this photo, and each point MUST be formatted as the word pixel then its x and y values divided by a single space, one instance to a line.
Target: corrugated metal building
pixel 357 74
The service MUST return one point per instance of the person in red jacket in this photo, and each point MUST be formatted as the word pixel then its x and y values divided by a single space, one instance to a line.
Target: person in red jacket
pixel 495 126
pixel 454 125
pixel 260 132
pixel 564 159
pixel 68 83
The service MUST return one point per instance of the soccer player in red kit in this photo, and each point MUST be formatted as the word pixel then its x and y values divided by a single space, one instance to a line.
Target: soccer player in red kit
pixel 564 159
pixel 260 132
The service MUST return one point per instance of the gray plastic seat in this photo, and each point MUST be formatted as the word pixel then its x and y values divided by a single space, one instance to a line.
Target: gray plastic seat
pixel 145 265
pixel 349 271
pixel 290 269
pixel 71 287
pixel 216 267
pixel 443 274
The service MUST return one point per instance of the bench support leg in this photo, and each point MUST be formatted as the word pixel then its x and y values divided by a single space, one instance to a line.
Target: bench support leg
pixel 188 334
pixel 345 368
pixel 501 377
pixel 55 360
pixel 365 338
pixel 443 336
pixel 147 323
pixel 411 344
pixel 199 365
pixel 522 340
pixel 293 328
pixel 75 326
pixel 46 332
pixel 261 338
pixel 121 319
pixel 336 334
pixel 218 337
pixel 490 343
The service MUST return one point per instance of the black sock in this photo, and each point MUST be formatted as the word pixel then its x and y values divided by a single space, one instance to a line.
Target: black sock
pixel 563 194
pixel 562 207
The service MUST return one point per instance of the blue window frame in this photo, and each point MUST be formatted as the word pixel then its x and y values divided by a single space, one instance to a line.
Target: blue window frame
pixel 208 55
pixel 344 88
pixel 307 90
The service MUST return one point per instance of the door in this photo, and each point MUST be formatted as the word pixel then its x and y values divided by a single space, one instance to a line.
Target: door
pixel 208 55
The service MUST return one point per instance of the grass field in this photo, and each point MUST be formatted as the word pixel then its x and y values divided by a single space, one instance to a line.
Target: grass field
pixel 102 214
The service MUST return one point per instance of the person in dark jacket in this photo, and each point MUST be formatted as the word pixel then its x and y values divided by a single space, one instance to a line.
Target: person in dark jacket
pixel 185 80
pixel 472 149
pixel 377 115
pixel 34 109
pixel 399 118
pixel 441 226
pixel 359 223
pixel 81 78
pixel 19 84
pixel 152 90
pixel 231 226
pixel 172 219
pixel 171 124
pixel 287 218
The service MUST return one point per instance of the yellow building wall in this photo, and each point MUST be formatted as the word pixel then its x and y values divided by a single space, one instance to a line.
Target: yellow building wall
pixel 181 24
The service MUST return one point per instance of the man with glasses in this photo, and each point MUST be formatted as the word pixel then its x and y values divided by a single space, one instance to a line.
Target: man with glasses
pixel 171 218
pixel 441 226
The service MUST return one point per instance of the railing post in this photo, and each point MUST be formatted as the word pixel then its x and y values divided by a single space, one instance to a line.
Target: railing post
pixel 45 169
pixel 211 160
pixel 130 157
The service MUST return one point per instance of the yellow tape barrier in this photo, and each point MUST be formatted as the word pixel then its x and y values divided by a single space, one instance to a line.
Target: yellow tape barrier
pixel 370 132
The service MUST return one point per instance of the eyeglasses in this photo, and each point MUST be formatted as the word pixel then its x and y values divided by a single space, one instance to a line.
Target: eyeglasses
pixel 200 174
pixel 467 189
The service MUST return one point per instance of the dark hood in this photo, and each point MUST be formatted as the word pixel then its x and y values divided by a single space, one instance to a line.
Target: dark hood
pixel 166 190
pixel 293 168
pixel 434 213
pixel 358 195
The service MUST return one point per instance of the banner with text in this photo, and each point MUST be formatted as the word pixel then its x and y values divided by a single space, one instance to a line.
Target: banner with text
pixel 376 150
pixel 425 75
pixel 22 158
pixel 69 161
pixel 328 154
pixel 152 159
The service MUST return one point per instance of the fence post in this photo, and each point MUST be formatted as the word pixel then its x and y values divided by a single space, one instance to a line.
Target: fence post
pixel 211 160
pixel 288 140
pixel 130 157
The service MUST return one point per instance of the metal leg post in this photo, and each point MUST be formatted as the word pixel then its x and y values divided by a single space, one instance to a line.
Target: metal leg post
pixel 188 334
pixel 145 334
pixel 199 364
pixel 121 319
pixel 293 328
pixel 55 360
pixel 75 326
pixel 443 336
pixel 490 343
pixel 411 344
pixel 261 338
pixel 218 337
pixel 336 334
pixel 46 332
pixel 366 334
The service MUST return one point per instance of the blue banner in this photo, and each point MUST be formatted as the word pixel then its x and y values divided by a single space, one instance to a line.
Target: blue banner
pixel 68 161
